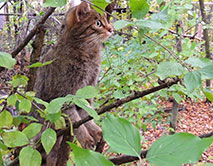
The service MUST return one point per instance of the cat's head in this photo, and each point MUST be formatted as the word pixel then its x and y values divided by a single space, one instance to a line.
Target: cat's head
pixel 85 23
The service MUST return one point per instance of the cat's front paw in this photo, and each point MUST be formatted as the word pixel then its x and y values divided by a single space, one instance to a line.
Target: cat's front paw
pixel 84 137
pixel 94 130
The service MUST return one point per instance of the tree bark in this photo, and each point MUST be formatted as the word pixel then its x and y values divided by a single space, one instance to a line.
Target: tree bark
pixel 205 35
pixel 35 56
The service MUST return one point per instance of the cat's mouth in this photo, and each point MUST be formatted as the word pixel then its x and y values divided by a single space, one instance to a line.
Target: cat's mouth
pixel 107 34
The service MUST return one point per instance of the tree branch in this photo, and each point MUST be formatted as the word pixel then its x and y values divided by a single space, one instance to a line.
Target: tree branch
pixel 126 159
pixel 33 32
pixel 117 103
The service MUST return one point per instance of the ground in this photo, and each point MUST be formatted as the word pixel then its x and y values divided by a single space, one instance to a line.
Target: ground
pixel 195 118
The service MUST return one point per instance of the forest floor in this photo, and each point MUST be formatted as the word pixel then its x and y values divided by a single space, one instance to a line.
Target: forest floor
pixel 195 118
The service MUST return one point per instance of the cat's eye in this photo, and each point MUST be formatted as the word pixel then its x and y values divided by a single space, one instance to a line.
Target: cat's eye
pixel 98 23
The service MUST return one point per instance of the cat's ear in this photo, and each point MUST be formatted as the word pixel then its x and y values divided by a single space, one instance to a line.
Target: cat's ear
pixel 82 11
pixel 109 9
pixel 77 13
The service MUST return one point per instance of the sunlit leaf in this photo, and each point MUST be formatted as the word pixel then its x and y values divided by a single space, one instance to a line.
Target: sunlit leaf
pixel 48 139
pixel 54 3
pixel 39 64
pixel 55 105
pixel 198 62
pixel 169 69
pixel 139 8
pixel 11 100
pixel 121 136
pixel 14 139
pixel 208 94
pixel 177 149
pixel 29 157
pixel 6 60
pixel 192 80
pixel 19 80
pixel 25 106
pixel 121 24
pixel 207 71
pixel 86 106
pixel 87 92
pixel 32 130
pixel 60 123
pixel 101 4
pixel 85 157
pixel 6 119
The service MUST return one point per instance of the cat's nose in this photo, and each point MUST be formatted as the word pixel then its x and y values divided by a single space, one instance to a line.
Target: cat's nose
pixel 110 29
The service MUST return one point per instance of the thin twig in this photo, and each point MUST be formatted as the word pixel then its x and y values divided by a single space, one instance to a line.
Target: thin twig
pixel 33 32
pixel 169 51
pixel 3 5
pixel 100 9
pixel 105 74
pixel 33 103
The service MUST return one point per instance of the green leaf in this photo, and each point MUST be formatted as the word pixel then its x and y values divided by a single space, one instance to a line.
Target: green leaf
pixel 48 139
pixel 54 3
pixel 1 161
pixel 169 69
pixel 118 94
pixel 11 100
pixel 152 24
pixel 6 60
pixel 6 119
pixel 139 8
pixel 177 149
pixel 29 157
pixel 40 101
pixel 19 80
pixel 55 105
pixel 121 24
pixel 86 106
pixel 121 136
pixel 177 97
pixel 14 139
pixel 53 117
pixel 60 123
pixel 3 146
pixel 160 1
pixel 39 64
pixel 207 71
pixel 87 92
pixel 17 120
pixel 101 4
pixel 192 80
pixel 32 130
pixel 208 94
pixel 85 157
pixel 198 62
pixel 25 106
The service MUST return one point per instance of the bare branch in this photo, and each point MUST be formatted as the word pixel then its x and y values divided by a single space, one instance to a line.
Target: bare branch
pixel 3 5
pixel 33 32
pixel 188 36
pixel 126 159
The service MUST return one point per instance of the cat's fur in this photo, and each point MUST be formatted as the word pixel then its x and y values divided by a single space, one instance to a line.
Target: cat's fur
pixel 76 64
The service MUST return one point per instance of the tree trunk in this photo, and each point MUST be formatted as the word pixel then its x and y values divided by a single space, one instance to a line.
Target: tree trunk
pixel 205 36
